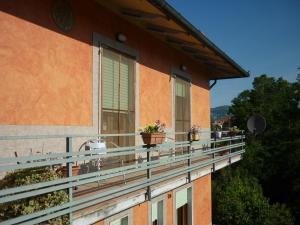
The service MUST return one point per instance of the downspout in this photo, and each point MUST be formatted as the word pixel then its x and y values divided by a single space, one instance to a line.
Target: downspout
pixel 213 84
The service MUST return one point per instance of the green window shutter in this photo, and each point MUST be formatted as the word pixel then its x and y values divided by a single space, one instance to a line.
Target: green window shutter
pixel 190 205
pixel 181 198
pixel 117 95
pixel 117 81
pixel 123 221
pixel 154 211
pixel 160 213
pixel 116 222
pixel 110 80
pixel 180 88
pixel 126 84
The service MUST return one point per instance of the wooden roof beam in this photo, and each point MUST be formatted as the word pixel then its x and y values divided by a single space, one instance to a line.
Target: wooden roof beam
pixel 140 14
pixel 163 30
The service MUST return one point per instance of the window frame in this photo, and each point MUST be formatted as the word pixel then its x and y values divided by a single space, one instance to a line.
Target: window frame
pixel 190 212
pixel 126 213
pixel 184 76
pixel 156 200
pixel 101 109
pixel 100 41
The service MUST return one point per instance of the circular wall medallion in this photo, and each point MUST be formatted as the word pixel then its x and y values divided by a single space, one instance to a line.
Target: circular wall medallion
pixel 62 14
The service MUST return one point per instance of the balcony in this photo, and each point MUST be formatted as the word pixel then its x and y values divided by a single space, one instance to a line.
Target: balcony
pixel 141 171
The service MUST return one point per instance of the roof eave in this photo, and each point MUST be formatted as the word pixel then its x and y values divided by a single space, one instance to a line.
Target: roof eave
pixel 176 16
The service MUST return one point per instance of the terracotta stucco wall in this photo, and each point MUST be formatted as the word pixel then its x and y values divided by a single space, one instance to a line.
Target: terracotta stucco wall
pixel 202 205
pixel 99 223
pixel 140 214
pixel 202 201
pixel 170 208
pixel 46 74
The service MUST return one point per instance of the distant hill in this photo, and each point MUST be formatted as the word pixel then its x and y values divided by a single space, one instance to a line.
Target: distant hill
pixel 219 112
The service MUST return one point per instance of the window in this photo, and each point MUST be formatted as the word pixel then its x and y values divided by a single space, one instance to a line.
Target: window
pixel 182 110
pixel 157 211
pixel 182 215
pixel 121 221
pixel 184 206
pixel 118 110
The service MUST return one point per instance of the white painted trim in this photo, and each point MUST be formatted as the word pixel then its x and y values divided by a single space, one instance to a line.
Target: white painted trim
pixel 168 187
pixel 188 185
pixel 110 210
pixel 165 210
pixel 127 213
pixel 137 97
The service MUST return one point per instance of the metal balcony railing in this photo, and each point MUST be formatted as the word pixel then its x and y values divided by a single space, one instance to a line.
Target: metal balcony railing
pixel 155 164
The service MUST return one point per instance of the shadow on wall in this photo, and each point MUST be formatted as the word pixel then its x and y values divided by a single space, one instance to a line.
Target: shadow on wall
pixel 58 65
pixel 90 17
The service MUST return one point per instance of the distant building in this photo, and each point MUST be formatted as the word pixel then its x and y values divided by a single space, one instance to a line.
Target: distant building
pixel 219 112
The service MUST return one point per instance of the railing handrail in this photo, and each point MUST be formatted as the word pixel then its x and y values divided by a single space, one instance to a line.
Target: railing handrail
pixel 194 151
pixel 24 137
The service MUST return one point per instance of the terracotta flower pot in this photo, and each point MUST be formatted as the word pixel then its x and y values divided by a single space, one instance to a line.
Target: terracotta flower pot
pixel 75 170
pixel 226 152
pixel 153 138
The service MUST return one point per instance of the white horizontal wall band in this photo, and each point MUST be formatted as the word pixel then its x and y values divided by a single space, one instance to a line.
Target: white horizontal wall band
pixel 140 198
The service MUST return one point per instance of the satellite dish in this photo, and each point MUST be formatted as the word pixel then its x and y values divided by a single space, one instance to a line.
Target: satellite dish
pixel 256 124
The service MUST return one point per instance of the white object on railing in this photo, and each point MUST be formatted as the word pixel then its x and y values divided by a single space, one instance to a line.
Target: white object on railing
pixel 98 145
pixel 218 134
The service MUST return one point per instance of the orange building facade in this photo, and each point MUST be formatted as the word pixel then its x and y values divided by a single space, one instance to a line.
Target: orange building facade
pixel 52 81
pixel 53 70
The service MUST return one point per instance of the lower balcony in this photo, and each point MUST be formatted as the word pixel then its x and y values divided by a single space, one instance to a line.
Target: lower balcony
pixel 98 178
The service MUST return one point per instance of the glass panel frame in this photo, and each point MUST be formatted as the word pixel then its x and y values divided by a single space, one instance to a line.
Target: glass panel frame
pixel 182 107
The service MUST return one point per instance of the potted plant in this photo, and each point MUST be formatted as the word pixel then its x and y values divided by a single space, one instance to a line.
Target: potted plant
pixel 75 170
pixel 154 133
pixel 218 130
pixel 36 203
pixel 195 133
pixel 233 131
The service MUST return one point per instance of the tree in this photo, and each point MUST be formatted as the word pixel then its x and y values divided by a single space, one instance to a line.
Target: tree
pixel 239 200
pixel 273 158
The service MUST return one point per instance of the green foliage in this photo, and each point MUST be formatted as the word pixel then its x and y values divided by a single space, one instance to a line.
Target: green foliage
pixel 239 200
pixel 273 157
pixel 36 203
pixel 217 127
pixel 157 127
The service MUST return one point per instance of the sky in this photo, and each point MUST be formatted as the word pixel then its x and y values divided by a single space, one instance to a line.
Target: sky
pixel 262 36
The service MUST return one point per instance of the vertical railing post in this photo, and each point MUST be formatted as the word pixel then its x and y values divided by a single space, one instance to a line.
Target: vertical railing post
pixel 69 172
pixel 214 154
pixel 242 142
pixel 189 160
pixel 230 142
pixel 242 139
pixel 148 171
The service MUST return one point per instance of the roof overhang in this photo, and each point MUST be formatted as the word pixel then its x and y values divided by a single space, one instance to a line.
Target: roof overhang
pixel 164 22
